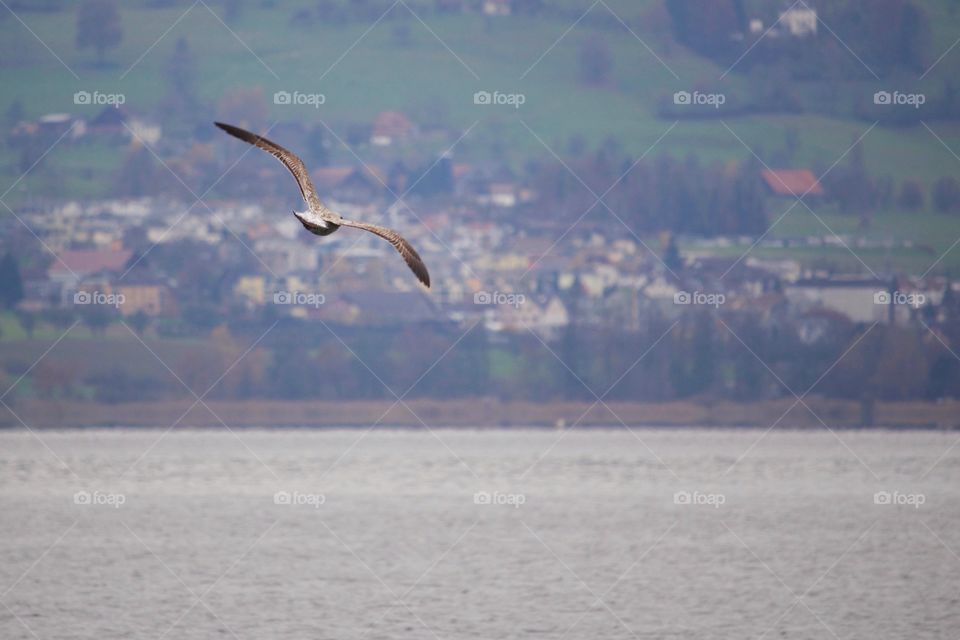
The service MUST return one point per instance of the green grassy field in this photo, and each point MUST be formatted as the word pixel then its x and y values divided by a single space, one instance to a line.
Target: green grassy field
pixel 363 72
pixel 422 76
pixel 932 235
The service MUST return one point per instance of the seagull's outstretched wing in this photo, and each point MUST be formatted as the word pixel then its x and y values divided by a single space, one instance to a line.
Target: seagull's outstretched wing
pixel 409 254
pixel 293 164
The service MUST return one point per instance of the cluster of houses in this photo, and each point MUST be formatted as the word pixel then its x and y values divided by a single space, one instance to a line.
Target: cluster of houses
pixel 110 121
pixel 798 21
pixel 487 263
pixel 507 277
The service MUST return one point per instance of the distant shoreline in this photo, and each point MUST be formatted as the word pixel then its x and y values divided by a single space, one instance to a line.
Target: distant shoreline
pixel 485 413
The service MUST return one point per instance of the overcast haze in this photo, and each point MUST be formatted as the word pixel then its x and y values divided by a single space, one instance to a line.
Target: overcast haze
pixel 693 300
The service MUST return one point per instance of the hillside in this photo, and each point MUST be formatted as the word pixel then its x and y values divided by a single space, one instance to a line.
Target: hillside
pixel 401 63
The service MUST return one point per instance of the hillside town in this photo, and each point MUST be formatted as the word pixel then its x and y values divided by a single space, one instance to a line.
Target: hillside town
pixel 495 256
pixel 733 235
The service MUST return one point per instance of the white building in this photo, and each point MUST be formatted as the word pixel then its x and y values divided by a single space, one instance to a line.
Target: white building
pixel 496 7
pixel 862 300
pixel 799 21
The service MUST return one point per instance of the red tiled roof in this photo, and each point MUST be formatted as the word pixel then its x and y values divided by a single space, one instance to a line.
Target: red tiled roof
pixel 393 124
pixel 792 182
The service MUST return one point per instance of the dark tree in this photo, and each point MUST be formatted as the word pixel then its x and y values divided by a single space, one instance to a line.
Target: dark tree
pixel 98 26
pixel 944 378
pixel 138 175
pixel 911 195
pixel 885 33
pixel 139 322
pixel 946 194
pixel 672 257
pixel 180 73
pixel 59 318
pixel 97 318
pixel 706 27
pixel 11 285
pixel 15 113
pixel 28 321
pixel 851 185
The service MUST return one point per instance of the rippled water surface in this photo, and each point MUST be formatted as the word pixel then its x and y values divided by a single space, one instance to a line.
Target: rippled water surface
pixel 479 534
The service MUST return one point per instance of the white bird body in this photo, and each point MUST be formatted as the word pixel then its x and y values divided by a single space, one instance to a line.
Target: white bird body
pixel 316 224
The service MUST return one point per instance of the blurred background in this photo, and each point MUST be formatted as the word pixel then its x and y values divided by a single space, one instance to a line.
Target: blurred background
pixel 637 214
pixel 695 212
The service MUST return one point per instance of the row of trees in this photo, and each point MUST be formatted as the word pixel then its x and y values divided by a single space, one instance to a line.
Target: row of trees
pixel 699 358
pixel 857 192
pixel 664 194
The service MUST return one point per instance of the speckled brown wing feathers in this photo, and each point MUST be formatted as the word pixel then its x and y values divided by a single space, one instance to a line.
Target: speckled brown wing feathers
pixel 410 255
pixel 299 170
pixel 293 164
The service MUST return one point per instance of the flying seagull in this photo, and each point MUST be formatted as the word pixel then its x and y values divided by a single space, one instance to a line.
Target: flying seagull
pixel 318 219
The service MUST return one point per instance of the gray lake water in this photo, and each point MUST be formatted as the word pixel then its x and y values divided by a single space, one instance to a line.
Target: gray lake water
pixel 479 534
